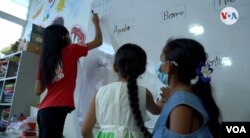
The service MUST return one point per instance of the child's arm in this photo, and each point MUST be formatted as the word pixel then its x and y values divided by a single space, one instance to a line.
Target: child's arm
pixel 181 119
pixel 98 34
pixel 39 88
pixel 151 105
pixel 90 121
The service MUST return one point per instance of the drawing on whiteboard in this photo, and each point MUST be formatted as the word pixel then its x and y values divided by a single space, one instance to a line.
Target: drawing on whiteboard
pixel 38 12
pixel 60 5
pixel 47 11
pixel 52 2
pixel 77 35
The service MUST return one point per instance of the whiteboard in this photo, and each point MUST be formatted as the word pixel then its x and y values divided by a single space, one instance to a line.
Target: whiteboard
pixel 149 23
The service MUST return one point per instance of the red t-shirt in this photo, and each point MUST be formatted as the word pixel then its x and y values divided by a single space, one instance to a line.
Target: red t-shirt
pixel 60 93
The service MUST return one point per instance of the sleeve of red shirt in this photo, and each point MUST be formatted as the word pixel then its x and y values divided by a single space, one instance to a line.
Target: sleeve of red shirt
pixel 77 51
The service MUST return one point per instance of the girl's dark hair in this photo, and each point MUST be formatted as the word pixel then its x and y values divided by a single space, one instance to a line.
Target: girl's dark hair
pixel 189 54
pixel 130 61
pixel 54 41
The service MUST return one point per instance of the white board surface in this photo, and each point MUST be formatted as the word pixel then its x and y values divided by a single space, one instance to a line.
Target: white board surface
pixel 149 23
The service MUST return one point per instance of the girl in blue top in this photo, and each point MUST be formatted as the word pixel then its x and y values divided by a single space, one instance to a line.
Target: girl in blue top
pixel 190 111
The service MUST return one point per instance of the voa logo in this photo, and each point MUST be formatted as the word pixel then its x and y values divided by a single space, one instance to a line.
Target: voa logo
pixel 236 129
pixel 229 15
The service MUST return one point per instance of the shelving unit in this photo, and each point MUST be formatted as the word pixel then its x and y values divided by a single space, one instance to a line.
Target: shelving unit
pixel 17 85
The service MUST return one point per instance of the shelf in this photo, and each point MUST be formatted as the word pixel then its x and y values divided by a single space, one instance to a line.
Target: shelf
pixel 9 78
pixel 3 68
pixel 16 84
pixel 5 104
pixel 11 55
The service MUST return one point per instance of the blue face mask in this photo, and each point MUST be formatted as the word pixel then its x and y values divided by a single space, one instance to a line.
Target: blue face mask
pixel 162 75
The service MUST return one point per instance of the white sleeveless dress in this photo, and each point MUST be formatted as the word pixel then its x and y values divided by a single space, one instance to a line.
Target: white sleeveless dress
pixel 113 111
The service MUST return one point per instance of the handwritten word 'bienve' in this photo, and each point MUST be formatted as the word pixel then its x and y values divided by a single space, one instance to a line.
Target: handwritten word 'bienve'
pixel 215 62
pixel 236 129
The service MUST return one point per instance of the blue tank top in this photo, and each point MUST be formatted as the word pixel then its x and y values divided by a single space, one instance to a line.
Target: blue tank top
pixel 178 98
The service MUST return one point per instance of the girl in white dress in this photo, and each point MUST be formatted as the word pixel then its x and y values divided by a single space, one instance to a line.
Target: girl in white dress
pixel 120 107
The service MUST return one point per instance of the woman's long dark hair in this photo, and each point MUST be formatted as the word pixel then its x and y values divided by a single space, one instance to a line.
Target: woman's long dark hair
pixel 130 60
pixel 189 54
pixel 54 41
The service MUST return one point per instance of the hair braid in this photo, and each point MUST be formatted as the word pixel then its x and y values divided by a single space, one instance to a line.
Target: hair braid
pixel 134 104
pixel 130 61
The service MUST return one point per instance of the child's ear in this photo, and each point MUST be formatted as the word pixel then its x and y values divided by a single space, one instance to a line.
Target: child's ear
pixel 115 68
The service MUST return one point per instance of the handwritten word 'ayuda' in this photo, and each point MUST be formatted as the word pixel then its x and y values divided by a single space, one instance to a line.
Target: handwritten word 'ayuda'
pixel 121 29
